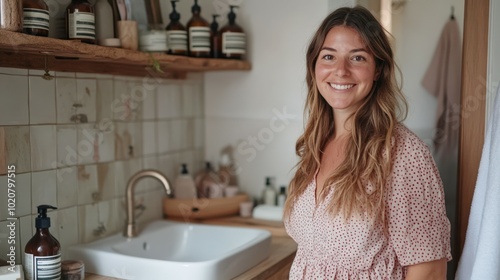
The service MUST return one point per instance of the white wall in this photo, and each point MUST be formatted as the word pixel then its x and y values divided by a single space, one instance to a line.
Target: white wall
pixel 240 106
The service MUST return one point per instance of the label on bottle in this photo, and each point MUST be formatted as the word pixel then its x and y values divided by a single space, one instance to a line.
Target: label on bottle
pixel 199 39
pixel 42 267
pixel 35 18
pixel 155 41
pixel 177 40
pixel 233 43
pixel 81 25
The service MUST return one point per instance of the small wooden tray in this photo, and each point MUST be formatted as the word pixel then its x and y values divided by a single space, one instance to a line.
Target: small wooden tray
pixel 202 208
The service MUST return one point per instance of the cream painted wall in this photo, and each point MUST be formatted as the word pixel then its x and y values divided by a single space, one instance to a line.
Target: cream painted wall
pixel 240 107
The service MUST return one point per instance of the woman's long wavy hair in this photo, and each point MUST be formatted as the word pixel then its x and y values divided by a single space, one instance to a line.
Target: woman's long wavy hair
pixel 368 150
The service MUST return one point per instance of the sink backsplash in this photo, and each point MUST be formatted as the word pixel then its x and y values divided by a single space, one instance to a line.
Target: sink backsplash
pixel 75 140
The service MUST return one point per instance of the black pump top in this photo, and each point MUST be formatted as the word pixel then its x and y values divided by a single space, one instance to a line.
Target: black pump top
pixel 174 15
pixel 268 181
pixel 231 16
pixel 214 26
pixel 42 221
pixel 184 169
pixel 196 8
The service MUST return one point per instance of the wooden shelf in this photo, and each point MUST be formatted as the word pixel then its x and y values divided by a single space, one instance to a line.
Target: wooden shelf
pixel 26 51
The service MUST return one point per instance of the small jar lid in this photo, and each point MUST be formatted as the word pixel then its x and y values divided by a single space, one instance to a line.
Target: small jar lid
pixel 110 42
pixel 72 265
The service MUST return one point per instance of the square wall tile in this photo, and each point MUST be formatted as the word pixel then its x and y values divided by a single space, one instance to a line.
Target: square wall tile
pixel 88 222
pixel 106 181
pixel 17 147
pixel 104 146
pixel 40 73
pixel 14 108
pixel 43 189
pixel 104 99
pixel 88 191
pixel 163 131
pixel 188 100
pixel 179 134
pixel 149 106
pixel 68 228
pixel 20 192
pixel 199 133
pixel 149 138
pixel 128 140
pixel 87 144
pixel 42 100
pixel 13 71
pixel 43 147
pixel 109 218
pixel 66 100
pixel 86 90
pixel 67 152
pixel 123 171
pixel 67 187
pixel 169 101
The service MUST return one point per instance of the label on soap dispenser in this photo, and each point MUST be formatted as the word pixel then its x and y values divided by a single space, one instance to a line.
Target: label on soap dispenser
pixel 233 42
pixel 177 40
pixel 199 39
pixel 35 18
pixel 81 25
pixel 42 267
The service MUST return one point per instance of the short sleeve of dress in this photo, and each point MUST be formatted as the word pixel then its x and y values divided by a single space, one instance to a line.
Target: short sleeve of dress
pixel 418 227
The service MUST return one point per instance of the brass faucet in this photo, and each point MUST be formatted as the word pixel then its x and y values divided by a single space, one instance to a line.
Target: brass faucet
pixel 130 229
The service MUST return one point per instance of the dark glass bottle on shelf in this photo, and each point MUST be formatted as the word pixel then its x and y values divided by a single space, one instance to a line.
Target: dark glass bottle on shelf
pixel 214 38
pixel 198 33
pixel 232 38
pixel 176 34
pixel 80 21
pixel 35 18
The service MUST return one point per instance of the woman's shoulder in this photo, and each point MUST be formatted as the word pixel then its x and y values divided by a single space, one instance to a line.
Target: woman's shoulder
pixel 405 137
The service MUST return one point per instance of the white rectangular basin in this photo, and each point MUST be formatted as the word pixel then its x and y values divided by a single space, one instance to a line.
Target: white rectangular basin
pixel 175 250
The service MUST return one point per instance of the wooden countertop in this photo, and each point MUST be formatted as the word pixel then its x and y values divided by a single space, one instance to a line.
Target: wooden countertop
pixel 281 254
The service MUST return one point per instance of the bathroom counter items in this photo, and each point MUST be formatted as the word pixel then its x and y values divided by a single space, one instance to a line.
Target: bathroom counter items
pixel 276 266
pixel 20 50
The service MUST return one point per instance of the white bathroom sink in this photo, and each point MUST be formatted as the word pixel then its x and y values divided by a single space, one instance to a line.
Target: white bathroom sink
pixel 175 250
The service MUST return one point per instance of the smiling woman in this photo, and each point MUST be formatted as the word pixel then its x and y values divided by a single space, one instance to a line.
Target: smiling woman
pixel 366 201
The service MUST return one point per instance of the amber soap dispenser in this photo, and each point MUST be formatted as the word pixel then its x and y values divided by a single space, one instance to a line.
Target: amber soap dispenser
pixel 233 38
pixel 198 33
pixel 42 254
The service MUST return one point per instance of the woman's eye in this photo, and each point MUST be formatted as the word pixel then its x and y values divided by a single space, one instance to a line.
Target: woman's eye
pixel 358 58
pixel 328 57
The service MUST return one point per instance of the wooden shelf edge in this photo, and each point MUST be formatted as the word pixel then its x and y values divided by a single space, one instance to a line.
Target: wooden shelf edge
pixel 27 51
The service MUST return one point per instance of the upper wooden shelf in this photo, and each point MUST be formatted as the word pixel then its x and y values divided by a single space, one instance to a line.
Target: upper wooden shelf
pixel 33 52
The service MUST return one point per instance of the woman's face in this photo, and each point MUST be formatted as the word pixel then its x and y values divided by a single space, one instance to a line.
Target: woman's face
pixel 345 70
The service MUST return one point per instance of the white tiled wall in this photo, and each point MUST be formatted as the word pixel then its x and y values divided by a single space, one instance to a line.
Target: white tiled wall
pixel 75 140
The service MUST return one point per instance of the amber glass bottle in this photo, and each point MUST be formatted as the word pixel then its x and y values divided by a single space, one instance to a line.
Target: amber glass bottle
pixel 232 38
pixel 176 34
pixel 214 38
pixel 42 253
pixel 198 33
pixel 36 17
pixel 80 21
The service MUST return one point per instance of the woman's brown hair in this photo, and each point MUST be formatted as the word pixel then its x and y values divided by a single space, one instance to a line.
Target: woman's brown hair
pixel 368 158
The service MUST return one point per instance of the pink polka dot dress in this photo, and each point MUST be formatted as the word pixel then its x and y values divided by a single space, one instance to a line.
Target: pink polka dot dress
pixel 417 227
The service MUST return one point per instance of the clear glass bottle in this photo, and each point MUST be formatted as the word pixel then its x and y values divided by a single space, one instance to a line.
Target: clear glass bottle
pixel 36 18
pixel 80 21
pixel 232 38
pixel 269 193
pixel 176 34
pixel 198 33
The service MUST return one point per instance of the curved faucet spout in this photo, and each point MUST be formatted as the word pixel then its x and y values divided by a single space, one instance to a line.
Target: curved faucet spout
pixel 130 229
